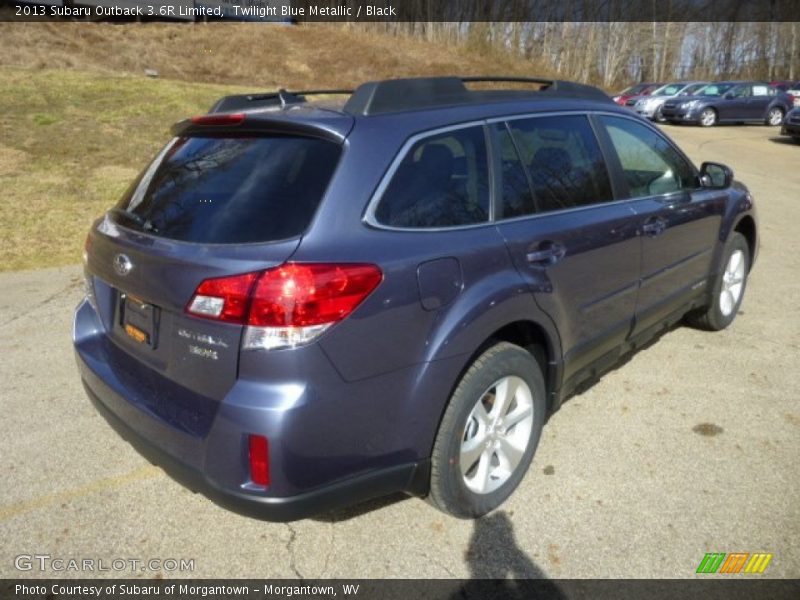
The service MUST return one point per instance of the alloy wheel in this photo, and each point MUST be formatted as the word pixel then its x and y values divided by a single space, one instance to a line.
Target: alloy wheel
pixel 732 283
pixel 708 117
pixel 775 116
pixel 496 435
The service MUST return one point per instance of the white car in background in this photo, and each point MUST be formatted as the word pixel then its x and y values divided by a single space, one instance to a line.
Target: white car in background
pixel 795 91
pixel 650 106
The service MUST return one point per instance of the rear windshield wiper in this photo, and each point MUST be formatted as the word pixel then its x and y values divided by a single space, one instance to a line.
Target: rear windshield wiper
pixel 145 224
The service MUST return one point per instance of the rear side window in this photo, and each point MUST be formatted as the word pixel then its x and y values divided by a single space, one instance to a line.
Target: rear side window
pixel 650 164
pixel 564 161
pixel 443 181
pixel 232 190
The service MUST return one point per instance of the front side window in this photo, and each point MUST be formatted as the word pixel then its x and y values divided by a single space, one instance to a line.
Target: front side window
pixel 564 161
pixel 443 181
pixel 516 197
pixel 714 90
pixel 650 164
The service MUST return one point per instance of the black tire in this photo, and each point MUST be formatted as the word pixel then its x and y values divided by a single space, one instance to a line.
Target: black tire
pixel 711 119
pixel 448 491
pixel 658 117
pixel 712 318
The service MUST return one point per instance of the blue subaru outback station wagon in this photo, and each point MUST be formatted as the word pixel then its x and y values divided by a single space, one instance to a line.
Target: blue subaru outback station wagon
pixel 301 305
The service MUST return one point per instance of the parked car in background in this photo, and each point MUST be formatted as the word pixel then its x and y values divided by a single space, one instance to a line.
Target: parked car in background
pixel 782 85
pixel 650 106
pixel 297 307
pixel 730 102
pixel 794 92
pixel 791 124
pixel 640 89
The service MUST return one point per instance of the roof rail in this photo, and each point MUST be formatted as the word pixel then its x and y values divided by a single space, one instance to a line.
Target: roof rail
pixel 268 99
pixel 397 95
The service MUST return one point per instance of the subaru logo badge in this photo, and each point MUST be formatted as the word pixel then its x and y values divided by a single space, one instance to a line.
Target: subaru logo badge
pixel 122 265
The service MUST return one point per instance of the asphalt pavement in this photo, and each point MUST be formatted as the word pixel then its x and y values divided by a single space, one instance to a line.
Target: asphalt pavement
pixel 689 447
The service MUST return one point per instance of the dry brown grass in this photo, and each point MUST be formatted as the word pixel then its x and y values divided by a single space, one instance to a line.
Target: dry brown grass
pixel 258 55
pixel 78 119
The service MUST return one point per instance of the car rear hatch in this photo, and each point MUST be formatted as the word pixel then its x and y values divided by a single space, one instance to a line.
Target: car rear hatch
pixel 222 198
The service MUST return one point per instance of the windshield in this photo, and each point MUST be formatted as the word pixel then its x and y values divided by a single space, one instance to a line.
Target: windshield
pixel 715 89
pixel 693 89
pixel 668 90
pixel 634 89
pixel 227 190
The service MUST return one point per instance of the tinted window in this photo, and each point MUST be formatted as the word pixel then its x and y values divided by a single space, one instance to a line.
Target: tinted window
pixel 668 90
pixel 443 181
pixel 742 91
pixel 232 190
pixel 693 89
pixel 563 161
pixel 715 89
pixel 516 199
pixel 650 164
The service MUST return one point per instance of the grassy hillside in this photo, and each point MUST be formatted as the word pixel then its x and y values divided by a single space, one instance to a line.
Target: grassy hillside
pixel 78 119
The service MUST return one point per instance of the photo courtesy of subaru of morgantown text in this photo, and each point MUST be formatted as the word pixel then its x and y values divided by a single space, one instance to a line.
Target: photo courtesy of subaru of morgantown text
pixel 451 299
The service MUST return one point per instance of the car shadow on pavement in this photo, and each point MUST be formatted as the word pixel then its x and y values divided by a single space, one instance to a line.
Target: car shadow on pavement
pixel 498 568
pixel 351 512
pixel 785 140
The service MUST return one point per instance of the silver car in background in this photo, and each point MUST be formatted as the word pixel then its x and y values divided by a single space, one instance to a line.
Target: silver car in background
pixel 650 106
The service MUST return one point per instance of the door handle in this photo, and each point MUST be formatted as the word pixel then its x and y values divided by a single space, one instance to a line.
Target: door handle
pixel 654 227
pixel 549 253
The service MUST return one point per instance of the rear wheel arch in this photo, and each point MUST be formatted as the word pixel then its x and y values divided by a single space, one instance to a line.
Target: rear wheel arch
pixel 529 335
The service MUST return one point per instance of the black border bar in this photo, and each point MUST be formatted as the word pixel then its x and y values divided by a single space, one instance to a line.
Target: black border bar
pixel 410 11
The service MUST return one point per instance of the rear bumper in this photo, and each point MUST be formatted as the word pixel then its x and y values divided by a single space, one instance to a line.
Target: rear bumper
pixel 317 463
pixel 352 491
pixel 792 129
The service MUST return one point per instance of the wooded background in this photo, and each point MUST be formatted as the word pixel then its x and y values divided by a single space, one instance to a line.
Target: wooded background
pixel 614 54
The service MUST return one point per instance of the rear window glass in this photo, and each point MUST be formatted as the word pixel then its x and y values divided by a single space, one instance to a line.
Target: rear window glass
pixel 232 190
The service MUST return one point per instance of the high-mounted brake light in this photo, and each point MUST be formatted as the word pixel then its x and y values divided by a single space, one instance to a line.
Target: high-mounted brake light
pixel 286 306
pixel 219 120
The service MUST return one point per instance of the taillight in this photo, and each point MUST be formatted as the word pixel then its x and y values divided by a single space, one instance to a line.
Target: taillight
pixel 224 298
pixel 286 306
pixel 259 459
pixel 219 120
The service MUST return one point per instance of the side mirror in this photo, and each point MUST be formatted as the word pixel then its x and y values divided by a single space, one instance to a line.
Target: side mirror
pixel 715 176
pixel 728 96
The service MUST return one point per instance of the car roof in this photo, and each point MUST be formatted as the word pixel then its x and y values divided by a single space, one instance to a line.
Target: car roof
pixel 413 104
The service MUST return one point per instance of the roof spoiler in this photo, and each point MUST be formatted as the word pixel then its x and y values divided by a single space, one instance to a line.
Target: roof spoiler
pixel 281 98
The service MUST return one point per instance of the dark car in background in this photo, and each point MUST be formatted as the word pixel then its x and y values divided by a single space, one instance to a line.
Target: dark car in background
pixel 640 89
pixel 730 102
pixel 299 306
pixel 650 106
pixel 791 124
